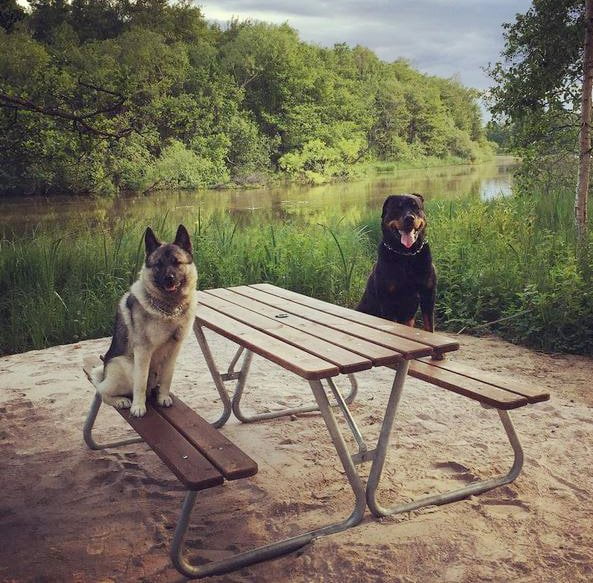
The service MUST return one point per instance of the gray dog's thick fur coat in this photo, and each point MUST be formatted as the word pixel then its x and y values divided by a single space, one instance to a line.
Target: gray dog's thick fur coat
pixel 152 321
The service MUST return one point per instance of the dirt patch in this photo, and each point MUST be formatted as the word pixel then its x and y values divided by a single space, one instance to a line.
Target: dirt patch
pixel 71 514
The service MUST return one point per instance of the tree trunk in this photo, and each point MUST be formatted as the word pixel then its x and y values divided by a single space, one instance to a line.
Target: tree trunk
pixel 580 206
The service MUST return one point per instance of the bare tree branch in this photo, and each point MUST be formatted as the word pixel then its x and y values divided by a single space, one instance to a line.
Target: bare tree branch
pixel 80 123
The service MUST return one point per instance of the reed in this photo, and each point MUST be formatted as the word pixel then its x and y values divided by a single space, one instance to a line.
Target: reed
pixel 507 266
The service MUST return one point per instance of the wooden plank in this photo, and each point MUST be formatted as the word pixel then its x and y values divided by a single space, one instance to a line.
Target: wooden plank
pixel 532 394
pixel 471 388
pixel 181 457
pixel 88 364
pixel 289 357
pixel 378 355
pixel 249 313
pixel 439 342
pixel 406 348
pixel 222 453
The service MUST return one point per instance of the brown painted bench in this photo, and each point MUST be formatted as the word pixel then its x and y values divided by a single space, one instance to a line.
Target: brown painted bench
pixel 489 389
pixel 197 453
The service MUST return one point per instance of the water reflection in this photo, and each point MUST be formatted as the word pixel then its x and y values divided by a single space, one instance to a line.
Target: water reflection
pixel 288 202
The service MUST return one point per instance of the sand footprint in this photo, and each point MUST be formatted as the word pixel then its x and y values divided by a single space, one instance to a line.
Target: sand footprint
pixel 506 508
pixel 456 470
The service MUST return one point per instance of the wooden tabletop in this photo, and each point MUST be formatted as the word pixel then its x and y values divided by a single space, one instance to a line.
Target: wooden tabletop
pixel 310 337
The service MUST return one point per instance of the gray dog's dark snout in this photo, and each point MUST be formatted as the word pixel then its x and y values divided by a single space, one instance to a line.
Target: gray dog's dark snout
pixel 169 278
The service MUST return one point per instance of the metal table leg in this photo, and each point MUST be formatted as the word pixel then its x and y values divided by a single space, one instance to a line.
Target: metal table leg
pixel 287 545
pixel 241 378
pixel 216 376
pixel 240 387
pixel 475 488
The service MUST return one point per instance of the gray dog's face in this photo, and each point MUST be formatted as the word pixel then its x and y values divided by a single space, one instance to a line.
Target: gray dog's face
pixel 170 266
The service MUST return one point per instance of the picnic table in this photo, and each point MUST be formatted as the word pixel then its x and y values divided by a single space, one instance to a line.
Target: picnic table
pixel 320 342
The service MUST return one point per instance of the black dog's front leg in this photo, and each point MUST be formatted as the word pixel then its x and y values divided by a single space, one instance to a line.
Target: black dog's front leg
pixel 427 303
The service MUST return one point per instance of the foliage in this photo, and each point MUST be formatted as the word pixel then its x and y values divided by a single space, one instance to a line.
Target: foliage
pixel 102 96
pixel 538 90
pixel 507 266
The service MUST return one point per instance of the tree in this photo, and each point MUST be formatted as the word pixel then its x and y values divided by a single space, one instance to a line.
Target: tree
pixel 10 14
pixel 100 96
pixel 580 207
pixel 543 89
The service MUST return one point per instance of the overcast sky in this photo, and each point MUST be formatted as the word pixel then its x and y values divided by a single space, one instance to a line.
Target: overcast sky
pixel 439 37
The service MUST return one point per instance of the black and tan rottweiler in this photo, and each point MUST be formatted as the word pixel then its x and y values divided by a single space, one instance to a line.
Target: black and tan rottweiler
pixel 403 277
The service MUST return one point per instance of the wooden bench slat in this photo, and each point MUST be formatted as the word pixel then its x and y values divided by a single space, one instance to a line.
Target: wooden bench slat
pixel 407 348
pixel 226 301
pixel 438 341
pixel 474 389
pixel 222 453
pixel 532 394
pixel 182 458
pixel 378 355
pixel 291 358
pixel 88 364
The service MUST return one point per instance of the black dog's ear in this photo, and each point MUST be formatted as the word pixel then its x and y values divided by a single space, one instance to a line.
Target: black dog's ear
pixel 150 241
pixel 386 204
pixel 417 195
pixel 182 239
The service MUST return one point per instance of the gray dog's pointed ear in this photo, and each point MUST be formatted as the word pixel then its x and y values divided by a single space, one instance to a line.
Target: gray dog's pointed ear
pixel 150 241
pixel 183 240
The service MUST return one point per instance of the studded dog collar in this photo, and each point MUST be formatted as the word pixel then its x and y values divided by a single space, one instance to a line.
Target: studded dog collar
pixel 405 252
pixel 165 310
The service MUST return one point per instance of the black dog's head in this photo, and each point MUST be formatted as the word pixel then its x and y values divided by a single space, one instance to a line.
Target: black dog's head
pixel 403 219
pixel 169 267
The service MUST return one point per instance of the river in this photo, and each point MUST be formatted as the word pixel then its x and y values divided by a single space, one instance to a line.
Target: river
pixel 287 202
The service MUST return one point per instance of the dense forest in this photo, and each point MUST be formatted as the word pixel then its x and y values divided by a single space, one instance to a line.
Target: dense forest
pixel 103 96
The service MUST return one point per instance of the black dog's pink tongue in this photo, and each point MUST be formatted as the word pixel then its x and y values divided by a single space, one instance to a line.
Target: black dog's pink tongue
pixel 408 239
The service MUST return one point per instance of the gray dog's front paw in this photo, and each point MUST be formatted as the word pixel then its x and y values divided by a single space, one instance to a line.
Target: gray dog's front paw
pixel 164 400
pixel 122 403
pixel 138 410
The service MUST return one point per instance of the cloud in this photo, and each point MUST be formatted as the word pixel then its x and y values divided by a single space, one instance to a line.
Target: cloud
pixel 439 37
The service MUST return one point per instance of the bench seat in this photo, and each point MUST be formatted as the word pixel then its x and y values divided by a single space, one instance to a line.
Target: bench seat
pixel 197 453
pixel 489 389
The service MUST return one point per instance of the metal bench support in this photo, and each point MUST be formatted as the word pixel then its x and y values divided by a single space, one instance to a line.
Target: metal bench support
pixel 282 547
pixel 475 488
pixel 87 431
pixel 264 552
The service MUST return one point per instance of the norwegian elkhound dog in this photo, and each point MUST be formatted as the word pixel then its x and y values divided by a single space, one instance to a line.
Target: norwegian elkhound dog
pixel 151 322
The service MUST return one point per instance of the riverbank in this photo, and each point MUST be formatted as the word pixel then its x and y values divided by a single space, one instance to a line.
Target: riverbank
pixel 507 266
pixel 71 514
pixel 285 201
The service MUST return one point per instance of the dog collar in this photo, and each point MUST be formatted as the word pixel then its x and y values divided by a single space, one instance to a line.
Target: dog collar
pixel 405 252
pixel 164 310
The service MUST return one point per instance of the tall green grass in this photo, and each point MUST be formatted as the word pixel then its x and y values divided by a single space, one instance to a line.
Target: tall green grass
pixel 509 266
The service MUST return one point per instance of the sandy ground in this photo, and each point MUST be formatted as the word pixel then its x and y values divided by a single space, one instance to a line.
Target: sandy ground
pixel 71 514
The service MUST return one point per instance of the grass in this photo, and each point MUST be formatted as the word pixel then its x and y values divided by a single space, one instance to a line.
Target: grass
pixel 508 266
